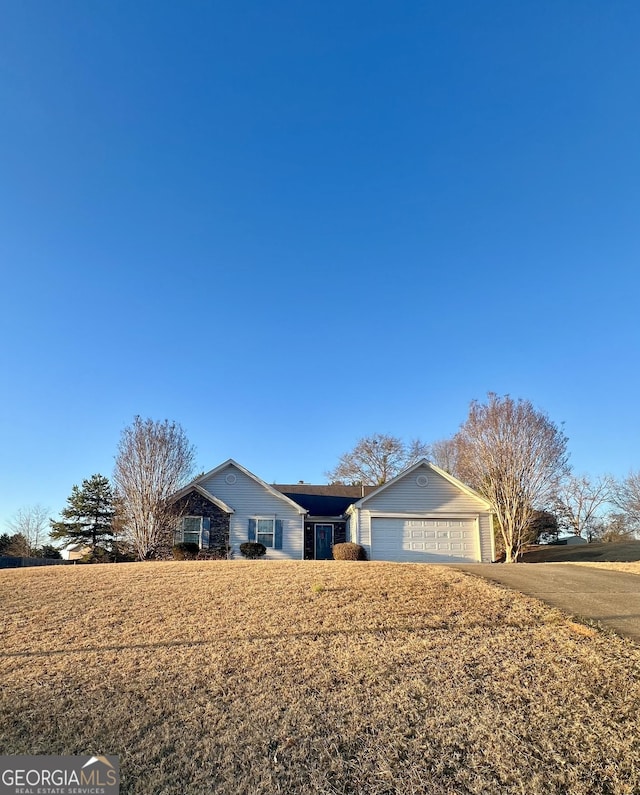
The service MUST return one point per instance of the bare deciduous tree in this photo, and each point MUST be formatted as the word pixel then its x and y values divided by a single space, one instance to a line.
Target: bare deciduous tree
pixel 32 524
pixel 376 459
pixel 444 455
pixel 579 500
pixel 514 455
pixel 155 459
pixel 615 527
pixel 627 498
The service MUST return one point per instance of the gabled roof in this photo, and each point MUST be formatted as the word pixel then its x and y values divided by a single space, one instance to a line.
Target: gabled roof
pixel 325 489
pixel 270 489
pixel 423 462
pixel 323 504
pixel 203 493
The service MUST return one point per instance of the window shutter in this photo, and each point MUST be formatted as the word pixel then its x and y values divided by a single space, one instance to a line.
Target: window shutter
pixel 252 529
pixel 204 536
pixel 277 541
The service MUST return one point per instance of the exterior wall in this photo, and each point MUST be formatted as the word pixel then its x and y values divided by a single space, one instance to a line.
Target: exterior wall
pixel 438 495
pixel 75 554
pixel 352 533
pixel 438 498
pixel 249 499
pixel 195 504
pixel 487 548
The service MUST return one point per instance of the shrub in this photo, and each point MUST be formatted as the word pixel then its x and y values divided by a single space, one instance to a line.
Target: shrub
pixel 186 550
pixel 252 549
pixel 349 551
pixel 615 537
pixel 48 551
pixel 216 553
pixel 97 555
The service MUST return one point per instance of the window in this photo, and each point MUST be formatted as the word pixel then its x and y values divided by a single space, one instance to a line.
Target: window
pixel 189 530
pixel 265 532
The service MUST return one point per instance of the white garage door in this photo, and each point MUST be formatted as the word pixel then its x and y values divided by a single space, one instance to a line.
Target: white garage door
pixel 426 540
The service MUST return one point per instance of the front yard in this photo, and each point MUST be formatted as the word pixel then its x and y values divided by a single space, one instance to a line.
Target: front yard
pixel 237 677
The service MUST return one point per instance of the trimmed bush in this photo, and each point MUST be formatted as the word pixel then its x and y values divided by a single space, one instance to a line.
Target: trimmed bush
pixel 349 551
pixel 216 553
pixel 186 550
pixel 253 550
pixel 97 555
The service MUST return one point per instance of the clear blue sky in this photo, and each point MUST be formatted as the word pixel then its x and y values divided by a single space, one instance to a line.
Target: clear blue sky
pixel 288 225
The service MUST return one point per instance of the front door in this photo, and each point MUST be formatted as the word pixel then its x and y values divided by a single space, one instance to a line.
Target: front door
pixel 324 541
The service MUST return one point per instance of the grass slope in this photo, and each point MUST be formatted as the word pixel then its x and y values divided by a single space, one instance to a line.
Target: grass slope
pixel 314 678
pixel 583 553
pixel 629 568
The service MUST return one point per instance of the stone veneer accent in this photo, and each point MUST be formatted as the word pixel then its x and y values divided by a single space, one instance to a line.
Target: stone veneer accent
pixel 194 504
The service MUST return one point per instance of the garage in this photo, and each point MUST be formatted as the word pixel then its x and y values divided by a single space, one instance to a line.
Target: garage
pixel 425 515
pixel 425 539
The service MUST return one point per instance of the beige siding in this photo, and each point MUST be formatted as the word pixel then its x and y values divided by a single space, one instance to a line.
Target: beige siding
pixel 486 542
pixel 438 495
pixel 352 528
pixel 248 500
pixel 364 530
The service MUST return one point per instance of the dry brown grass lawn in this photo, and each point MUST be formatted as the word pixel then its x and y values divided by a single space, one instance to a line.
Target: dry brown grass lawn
pixel 630 568
pixel 314 678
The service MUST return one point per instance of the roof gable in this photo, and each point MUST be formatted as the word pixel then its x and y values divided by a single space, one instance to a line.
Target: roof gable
pixel 203 493
pixel 423 463
pixel 231 463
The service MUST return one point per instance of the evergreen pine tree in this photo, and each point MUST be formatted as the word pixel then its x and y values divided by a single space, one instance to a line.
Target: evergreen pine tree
pixel 89 514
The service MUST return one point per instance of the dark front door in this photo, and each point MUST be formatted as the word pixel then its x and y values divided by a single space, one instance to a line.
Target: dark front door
pixel 324 541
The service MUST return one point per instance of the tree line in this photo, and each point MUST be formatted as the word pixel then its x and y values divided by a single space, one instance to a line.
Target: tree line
pixel 28 534
pixel 511 453
pixel 126 518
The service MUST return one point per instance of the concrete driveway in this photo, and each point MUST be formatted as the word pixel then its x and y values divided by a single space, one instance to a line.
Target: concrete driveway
pixel 610 597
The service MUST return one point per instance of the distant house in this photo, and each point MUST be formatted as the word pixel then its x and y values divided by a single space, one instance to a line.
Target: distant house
pixel 573 540
pixel 75 551
pixel 422 515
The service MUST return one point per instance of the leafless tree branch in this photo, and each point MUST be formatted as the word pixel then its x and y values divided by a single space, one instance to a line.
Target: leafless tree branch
pixel 376 459
pixel 579 500
pixel 155 459
pixel 32 523
pixel 515 456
